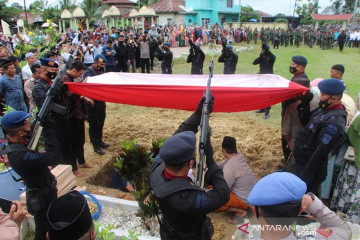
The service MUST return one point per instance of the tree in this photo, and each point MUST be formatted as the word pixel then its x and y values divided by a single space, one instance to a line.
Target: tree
pixel 306 10
pixel 17 6
pixel 67 4
pixel 337 6
pixel 91 9
pixel 37 7
pixel 247 13
pixel 8 14
pixel 349 6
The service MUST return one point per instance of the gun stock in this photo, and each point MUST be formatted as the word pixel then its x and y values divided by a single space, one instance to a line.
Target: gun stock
pixel 47 105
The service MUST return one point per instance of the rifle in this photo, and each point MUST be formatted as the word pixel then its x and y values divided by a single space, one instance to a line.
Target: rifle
pixel 48 104
pixel 204 125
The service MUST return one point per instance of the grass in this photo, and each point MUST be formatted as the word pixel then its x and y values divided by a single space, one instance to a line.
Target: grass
pixel 319 64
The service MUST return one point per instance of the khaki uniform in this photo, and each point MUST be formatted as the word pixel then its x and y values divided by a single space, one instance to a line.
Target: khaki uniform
pixel 332 227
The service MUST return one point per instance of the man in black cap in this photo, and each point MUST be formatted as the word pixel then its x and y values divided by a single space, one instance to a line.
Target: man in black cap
pixel 297 68
pixel 96 111
pixel 69 218
pixel 229 58
pixel 166 56
pixel 266 61
pixel 32 166
pixel 321 135
pixel 196 58
pixel 122 54
pixel 184 205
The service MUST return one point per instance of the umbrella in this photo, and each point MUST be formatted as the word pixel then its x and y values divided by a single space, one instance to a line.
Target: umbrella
pixel 47 25
pixel 253 20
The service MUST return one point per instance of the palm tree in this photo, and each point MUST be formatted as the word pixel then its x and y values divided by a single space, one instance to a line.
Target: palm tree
pixel 91 9
pixel 66 4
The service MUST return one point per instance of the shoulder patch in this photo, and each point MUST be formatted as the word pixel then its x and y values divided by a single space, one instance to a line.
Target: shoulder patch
pixel 30 156
pixel 326 139
pixel 202 201
pixel 326 232
pixel 332 129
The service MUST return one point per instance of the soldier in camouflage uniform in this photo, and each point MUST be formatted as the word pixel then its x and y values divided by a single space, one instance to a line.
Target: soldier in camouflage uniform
pixel 297 38
pixel 255 34
pixel 287 37
pixel 249 36
pixel 282 37
pixel 291 37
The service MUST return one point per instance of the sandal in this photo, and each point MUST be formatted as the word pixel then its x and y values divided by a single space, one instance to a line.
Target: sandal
pixel 235 219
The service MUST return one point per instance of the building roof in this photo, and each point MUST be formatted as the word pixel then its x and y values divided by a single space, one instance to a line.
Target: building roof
pixel 263 14
pixel 31 18
pixel 173 6
pixel 118 2
pixel 344 17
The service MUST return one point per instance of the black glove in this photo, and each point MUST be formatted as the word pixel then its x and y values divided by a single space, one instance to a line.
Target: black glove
pixel 307 97
pixel 201 104
pixel 209 152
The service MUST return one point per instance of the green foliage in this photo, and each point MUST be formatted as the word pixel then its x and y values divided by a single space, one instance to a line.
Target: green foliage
pixel 247 13
pixel 67 4
pixel 348 6
pixel 306 10
pixel 8 14
pixel 337 6
pixel 280 20
pixel 91 9
pixel 104 232
pixel 2 167
pixel 37 6
pixel 132 236
pixel 30 235
pixel 156 145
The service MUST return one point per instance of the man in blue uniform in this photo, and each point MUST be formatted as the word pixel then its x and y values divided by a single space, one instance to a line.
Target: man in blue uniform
pixel 321 135
pixel 184 205
pixel 32 166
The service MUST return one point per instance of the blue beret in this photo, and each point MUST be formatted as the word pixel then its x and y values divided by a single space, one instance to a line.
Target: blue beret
pixel 14 119
pixel 229 47
pixel 113 35
pixel 277 188
pixel 179 148
pixel 332 86
pixel 47 62
pixel 300 60
pixel 100 58
pixel 167 44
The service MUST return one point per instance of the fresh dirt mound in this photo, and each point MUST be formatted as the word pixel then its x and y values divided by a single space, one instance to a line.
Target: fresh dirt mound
pixel 260 143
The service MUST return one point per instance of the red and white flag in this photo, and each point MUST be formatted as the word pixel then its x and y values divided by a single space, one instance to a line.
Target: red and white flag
pixel 233 93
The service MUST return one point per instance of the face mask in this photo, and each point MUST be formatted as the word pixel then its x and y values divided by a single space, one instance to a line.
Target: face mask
pixel 324 104
pixel 26 137
pixel 51 75
pixel 101 69
pixel 292 69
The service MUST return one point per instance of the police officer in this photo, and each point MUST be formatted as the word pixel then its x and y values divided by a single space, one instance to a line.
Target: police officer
pixel 184 205
pixel 69 217
pixel 122 55
pixel 297 68
pixel 229 58
pixel 266 61
pixel 321 135
pixel 277 200
pixel 167 56
pixel 32 166
pixel 97 111
pixel 196 58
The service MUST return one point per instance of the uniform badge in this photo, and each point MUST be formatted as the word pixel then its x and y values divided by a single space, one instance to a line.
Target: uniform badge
pixel 326 139
pixel 311 126
pixel 326 232
pixel 332 129
pixel 50 63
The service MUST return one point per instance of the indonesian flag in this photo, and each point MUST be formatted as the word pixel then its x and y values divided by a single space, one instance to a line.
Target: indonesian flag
pixel 233 93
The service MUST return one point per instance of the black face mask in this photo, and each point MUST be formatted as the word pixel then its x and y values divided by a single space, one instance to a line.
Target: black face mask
pixel 324 104
pixel 292 69
pixel 51 75
pixel 26 137
pixel 101 69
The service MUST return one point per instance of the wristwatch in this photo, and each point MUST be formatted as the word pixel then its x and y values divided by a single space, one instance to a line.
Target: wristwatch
pixel 311 195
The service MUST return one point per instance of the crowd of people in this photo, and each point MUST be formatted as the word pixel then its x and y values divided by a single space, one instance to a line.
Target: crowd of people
pixel 319 128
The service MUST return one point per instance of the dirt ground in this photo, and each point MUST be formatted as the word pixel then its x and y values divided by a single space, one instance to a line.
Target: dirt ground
pixel 256 140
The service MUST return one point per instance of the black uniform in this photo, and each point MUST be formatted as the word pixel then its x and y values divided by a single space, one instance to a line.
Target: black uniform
pixel 132 55
pixel 314 142
pixel 40 183
pixel 166 57
pixel 96 114
pixel 266 61
pixel 196 58
pixel 230 59
pixel 122 56
pixel 62 131
pixel 184 206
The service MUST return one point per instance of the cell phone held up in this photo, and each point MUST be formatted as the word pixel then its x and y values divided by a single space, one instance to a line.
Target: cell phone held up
pixel 5 205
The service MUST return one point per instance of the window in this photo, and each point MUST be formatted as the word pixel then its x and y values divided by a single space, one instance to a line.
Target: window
pixel 234 20
pixel 229 3
pixel 190 20
pixel 169 20
pixel 205 21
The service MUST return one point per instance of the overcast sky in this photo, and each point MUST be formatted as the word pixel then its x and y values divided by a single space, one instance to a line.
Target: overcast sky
pixel 268 6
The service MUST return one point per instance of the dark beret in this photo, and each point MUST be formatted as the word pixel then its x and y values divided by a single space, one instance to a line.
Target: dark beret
pixel 179 148
pixel 332 86
pixel 265 47
pixel 100 58
pixel 229 142
pixel 47 62
pixel 167 44
pixel 69 217
pixel 14 119
pixel 300 60
pixel 339 67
